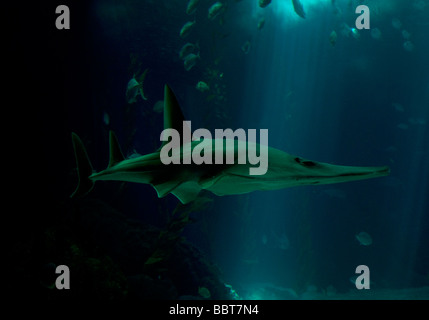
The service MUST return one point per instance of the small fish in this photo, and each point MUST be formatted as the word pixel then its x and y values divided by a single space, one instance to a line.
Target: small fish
pixel 406 34
pixel 398 107
pixel 204 292
pixel 376 34
pixel 364 238
pixel 396 23
pixel 299 9
pixel 192 6
pixel 264 3
pixel 135 87
pixel 186 29
pixel 106 118
pixel 215 10
pixel 333 38
pixel 187 49
pixel 408 46
pixel 419 5
pixel 282 241
pixel 402 126
pixel 246 47
pixel 347 31
pixel 202 86
pixel 417 121
pixel 159 106
pixel 190 61
pixel 261 23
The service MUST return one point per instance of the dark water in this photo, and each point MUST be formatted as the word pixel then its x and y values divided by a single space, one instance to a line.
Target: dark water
pixel 363 101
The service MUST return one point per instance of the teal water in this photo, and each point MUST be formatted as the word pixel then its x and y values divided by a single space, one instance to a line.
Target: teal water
pixel 353 97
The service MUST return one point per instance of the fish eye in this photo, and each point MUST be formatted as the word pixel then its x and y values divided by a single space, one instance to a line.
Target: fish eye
pixel 305 163
pixel 309 163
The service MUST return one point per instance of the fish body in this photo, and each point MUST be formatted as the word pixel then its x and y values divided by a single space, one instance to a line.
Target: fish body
pixel 135 88
pixel 215 10
pixel 185 181
pixel 190 61
pixel 202 86
pixel 192 6
pixel 364 238
pixel 246 47
pixel 299 8
pixel 204 292
pixel 186 29
pixel 187 49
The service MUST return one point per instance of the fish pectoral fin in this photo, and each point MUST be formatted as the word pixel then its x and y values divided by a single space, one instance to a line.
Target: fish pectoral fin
pixel 187 191
pixel 164 188
pixel 184 191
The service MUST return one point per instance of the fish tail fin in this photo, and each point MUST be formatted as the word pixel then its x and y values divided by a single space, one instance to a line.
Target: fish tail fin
pixel 84 168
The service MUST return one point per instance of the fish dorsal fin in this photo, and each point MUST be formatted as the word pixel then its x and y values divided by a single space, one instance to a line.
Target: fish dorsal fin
pixel 173 116
pixel 115 150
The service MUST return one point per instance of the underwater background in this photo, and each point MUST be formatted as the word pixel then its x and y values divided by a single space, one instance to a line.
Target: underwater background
pixel 324 90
